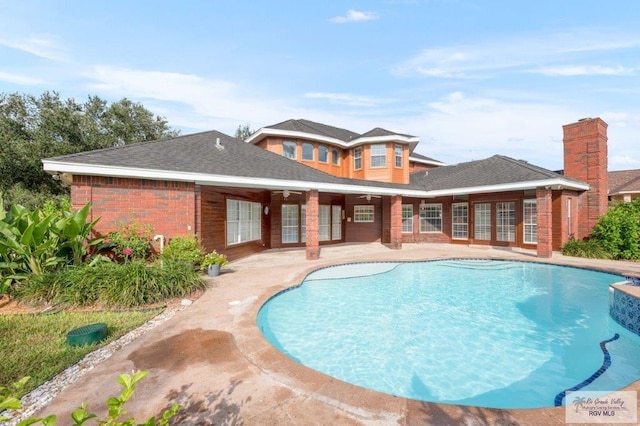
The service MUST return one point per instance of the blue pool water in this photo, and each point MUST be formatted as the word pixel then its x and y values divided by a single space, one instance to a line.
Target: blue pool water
pixel 472 332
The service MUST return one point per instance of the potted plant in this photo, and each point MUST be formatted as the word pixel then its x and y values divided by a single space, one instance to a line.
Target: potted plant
pixel 212 262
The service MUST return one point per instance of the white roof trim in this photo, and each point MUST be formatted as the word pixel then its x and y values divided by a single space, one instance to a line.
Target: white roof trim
pixel 423 161
pixel 319 138
pixel 554 183
pixel 625 192
pixel 271 184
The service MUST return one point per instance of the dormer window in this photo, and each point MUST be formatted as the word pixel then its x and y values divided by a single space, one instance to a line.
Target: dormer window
pixel 323 154
pixel 289 149
pixel 378 155
pixel 307 151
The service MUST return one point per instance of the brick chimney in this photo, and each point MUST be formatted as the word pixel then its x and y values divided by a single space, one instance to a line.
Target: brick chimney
pixel 585 159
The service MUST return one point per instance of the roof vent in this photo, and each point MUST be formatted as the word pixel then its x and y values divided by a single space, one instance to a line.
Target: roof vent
pixel 219 145
pixel 426 172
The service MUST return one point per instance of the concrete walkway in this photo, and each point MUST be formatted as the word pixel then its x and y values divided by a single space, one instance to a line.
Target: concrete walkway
pixel 212 359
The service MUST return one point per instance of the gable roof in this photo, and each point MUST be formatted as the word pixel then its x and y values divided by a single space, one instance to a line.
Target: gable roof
pixel 624 182
pixel 419 158
pixel 198 158
pixel 311 127
pixel 491 174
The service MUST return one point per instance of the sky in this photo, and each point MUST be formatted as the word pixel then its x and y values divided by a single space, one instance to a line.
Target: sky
pixel 470 78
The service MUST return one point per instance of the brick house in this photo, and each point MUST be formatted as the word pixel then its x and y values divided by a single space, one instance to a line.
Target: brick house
pixel 305 184
pixel 624 185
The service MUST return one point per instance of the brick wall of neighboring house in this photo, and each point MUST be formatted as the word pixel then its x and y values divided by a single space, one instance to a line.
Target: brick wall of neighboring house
pixel 585 159
pixel 169 207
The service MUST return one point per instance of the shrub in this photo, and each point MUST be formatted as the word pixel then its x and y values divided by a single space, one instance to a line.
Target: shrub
pixel 131 241
pixel 589 249
pixel 618 231
pixel 186 248
pixel 134 283
pixel 214 258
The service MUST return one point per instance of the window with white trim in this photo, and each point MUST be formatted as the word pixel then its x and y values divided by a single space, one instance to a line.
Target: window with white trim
pixel 303 223
pixel 323 154
pixel 244 221
pixel 569 224
pixel 335 157
pixel 290 223
pixel 530 220
pixel 430 218
pixel 460 221
pixel 307 151
pixel 506 221
pixel 357 158
pixel 363 214
pixel 324 222
pixel 407 218
pixel 398 152
pixel 289 149
pixel 336 222
pixel 378 155
pixel 482 221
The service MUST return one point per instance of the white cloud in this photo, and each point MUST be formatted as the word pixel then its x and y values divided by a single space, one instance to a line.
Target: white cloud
pixel 348 99
pixel 579 70
pixel 354 16
pixel 44 46
pixel 535 53
pixel 20 79
pixel 622 162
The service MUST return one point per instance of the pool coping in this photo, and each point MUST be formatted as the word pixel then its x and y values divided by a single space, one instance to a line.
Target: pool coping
pixel 351 398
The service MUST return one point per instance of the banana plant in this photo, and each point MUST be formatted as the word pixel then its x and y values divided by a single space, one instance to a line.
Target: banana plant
pixel 74 232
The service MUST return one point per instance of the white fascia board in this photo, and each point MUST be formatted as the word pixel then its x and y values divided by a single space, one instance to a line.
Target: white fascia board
pixel 423 161
pixel 333 141
pixel 221 180
pixel 515 186
pixel 380 139
pixel 624 192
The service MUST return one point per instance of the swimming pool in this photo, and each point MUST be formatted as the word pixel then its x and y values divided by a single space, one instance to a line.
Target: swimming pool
pixel 472 332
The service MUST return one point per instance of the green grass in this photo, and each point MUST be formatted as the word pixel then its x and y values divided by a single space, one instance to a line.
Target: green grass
pixel 35 345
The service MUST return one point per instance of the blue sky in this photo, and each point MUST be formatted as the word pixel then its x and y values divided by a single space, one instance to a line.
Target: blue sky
pixel 470 78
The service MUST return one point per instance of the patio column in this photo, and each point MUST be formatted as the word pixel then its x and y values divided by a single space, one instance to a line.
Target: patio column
pixel 396 222
pixel 544 222
pixel 312 222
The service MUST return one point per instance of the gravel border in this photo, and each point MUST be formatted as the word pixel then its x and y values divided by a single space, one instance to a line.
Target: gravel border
pixel 43 394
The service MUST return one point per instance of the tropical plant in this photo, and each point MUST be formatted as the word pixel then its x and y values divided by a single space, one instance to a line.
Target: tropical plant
pixel 214 258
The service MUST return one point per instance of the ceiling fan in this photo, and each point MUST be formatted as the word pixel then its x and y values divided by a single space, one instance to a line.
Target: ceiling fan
pixel 285 193
pixel 369 196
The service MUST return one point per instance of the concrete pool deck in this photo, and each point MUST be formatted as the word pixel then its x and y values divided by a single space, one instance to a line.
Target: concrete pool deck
pixel 212 359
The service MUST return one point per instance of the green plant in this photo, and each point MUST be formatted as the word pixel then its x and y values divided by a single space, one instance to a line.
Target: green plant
pixel 185 248
pixel 214 258
pixel 131 241
pixel 618 231
pixel 115 405
pixel 589 249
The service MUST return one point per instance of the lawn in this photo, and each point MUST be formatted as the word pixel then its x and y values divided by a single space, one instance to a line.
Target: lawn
pixel 35 345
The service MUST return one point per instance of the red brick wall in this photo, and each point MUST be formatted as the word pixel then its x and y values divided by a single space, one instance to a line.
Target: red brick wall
pixel 545 221
pixel 440 237
pixel 169 207
pixel 396 222
pixel 585 159
pixel 312 223
pixel 363 231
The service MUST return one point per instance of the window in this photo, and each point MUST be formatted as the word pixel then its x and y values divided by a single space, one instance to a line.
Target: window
pixel 506 221
pixel 530 222
pixel 289 223
pixel 307 151
pixel 324 223
pixel 482 222
pixel 323 154
pixel 460 221
pixel 336 222
pixel 407 219
pixel 398 151
pixel 569 228
pixel 289 149
pixel 357 158
pixel 430 218
pixel 363 214
pixel 335 156
pixel 303 223
pixel 378 155
pixel 243 221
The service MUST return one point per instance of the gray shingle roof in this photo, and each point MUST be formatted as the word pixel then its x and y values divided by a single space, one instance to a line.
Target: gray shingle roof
pixel 314 128
pixel 494 170
pixel 378 131
pixel 423 157
pixel 624 181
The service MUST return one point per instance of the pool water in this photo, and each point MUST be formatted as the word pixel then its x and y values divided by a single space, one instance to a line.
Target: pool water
pixel 472 332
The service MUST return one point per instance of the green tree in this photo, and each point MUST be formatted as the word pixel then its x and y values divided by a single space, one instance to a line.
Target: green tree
pixel 243 132
pixel 33 128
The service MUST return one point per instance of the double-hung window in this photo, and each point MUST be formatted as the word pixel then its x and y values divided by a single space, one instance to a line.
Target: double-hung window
pixel 530 222
pixel 407 218
pixel 357 158
pixel 289 149
pixel 430 218
pixel 398 153
pixel 506 221
pixel 460 221
pixel 243 221
pixel 378 155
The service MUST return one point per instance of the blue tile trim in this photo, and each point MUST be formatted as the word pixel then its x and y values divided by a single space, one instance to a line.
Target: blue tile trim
pixel 605 364
pixel 633 280
pixel 625 310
